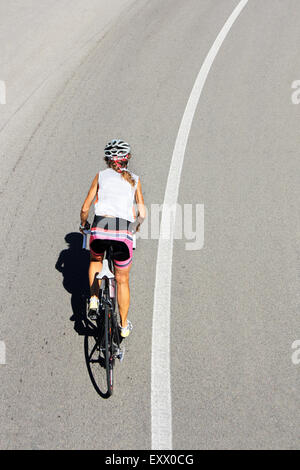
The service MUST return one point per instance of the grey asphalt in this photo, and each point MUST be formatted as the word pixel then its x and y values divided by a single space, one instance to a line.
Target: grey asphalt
pixel 235 303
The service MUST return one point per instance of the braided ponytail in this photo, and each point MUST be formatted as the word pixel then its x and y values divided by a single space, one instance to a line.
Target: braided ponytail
pixel 118 168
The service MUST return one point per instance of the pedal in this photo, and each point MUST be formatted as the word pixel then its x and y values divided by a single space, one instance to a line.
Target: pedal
pixel 121 354
pixel 93 315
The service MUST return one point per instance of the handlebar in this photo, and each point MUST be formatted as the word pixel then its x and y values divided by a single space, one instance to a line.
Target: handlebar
pixel 84 241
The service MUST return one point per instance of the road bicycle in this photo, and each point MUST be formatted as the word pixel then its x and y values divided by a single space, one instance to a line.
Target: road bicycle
pixel 108 342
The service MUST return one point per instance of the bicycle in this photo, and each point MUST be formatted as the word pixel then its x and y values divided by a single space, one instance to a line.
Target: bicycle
pixel 107 334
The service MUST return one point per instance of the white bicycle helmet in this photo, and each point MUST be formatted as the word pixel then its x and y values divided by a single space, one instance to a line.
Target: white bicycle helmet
pixel 117 150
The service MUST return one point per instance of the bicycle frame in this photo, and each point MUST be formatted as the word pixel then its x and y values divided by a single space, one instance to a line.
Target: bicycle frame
pixel 107 303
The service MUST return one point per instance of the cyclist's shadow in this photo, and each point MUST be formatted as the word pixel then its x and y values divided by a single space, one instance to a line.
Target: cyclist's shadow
pixel 73 263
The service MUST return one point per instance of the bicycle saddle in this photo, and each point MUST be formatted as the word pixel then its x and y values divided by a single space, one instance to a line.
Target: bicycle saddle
pixel 105 272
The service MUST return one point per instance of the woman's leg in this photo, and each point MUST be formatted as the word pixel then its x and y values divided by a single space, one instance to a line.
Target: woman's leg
pixel 123 292
pixel 94 269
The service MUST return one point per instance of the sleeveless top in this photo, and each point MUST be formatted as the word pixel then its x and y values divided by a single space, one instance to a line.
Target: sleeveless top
pixel 115 195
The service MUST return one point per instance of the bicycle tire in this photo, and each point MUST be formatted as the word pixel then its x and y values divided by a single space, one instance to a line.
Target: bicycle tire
pixel 109 360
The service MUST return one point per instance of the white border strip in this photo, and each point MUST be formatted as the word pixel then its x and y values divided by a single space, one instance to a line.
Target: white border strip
pixel 161 408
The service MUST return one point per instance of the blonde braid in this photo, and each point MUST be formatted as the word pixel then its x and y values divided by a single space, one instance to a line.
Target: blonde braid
pixel 125 174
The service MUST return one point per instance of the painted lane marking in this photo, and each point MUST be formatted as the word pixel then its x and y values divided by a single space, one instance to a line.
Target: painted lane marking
pixel 161 407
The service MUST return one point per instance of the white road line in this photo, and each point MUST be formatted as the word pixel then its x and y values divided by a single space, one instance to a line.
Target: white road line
pixel 161 408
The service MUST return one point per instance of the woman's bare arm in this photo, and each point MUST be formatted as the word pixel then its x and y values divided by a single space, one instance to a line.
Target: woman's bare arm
pixel 84 213
pixel 139 198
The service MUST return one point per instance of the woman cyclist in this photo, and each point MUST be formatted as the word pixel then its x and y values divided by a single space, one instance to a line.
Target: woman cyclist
pixel 116 189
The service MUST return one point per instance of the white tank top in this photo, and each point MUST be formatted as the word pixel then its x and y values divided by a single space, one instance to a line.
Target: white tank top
pixel 115 195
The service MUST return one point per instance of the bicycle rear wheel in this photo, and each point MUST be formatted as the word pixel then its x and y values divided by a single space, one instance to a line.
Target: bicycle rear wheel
pixel 109 357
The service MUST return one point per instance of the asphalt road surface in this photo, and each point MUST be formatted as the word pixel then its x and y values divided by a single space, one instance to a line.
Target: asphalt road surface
pixel 79 73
